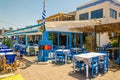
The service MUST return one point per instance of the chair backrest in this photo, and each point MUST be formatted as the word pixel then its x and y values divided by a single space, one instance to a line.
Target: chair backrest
pixel 95 60
pixel 106 58
pixel 22 52
pixel 73 52
pixel 5 51
pixel 59 53
pixel 8 51
pixel 101 52
pixel 101 49
pixel 10 58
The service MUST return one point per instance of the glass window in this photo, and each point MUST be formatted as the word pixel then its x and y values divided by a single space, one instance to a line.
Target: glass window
pixel 83 16
pixel 113 14
pixel 97 14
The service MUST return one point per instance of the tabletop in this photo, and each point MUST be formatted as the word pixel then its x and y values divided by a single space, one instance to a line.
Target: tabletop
pixel 1 54
pixel 66 51
pixel 87 58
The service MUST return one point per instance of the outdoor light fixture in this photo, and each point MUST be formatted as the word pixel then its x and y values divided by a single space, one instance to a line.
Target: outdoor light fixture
pixel 98 21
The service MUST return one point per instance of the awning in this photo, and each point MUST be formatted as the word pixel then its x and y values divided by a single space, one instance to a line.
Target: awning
pixel 101 28
pixel 65 26
pixel 37 33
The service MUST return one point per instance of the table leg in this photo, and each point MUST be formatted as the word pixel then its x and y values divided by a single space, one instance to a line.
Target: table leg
pixel 65 59
pixel 87 71
pixel 96 70
pixel 55 58
pixel 113 54
pixel 73 65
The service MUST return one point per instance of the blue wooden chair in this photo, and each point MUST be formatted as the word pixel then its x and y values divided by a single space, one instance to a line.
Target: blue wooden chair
pixel 52 56
pixel 10 58
pixel 20 57
pixel 60 57
pixel 104 63
pixel 8 51
pixel 94 67
pixel 72 53
pixel 118 60
pixel 118 57
pixel 79 65
pixel 9 62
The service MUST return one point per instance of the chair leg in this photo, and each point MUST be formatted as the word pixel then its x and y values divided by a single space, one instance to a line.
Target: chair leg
pixel 103 67
pixel 92 73
pixel 4 65
pixel 4 68
pixel 14 66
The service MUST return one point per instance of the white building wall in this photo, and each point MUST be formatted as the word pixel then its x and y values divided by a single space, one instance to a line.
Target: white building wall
pixel 104 39
pixel 117 8
pixel 100 6
pixel 106 12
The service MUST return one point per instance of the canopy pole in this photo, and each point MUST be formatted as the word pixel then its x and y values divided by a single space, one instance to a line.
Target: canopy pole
pixel 95 38
pixel 81 40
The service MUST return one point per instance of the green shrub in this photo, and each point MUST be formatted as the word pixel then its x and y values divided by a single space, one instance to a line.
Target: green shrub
pixel 114 43
pixel 7 42
pixel 89 43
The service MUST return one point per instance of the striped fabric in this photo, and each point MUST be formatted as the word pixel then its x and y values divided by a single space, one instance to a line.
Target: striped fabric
pixel 44 13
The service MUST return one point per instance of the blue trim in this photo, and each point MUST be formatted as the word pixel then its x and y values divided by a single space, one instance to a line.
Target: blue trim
pixel 81 40
pixel 33 26
pixel 26 40
pixel 96 3
pixel 17 39
pixel 45 35
pixel 33 31
pixel 58 40
pixel 74 40
pixel 70 40
pixel 67 41
pixel 64 32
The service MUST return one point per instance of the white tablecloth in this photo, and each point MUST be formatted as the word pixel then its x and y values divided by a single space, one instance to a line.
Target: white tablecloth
pixel 77 49
pixel 2 54
pixel 66 52
pixel 86 58
pixel 2 50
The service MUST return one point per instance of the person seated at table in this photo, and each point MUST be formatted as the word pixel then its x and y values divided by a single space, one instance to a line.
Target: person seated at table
pixel 31 43
pixel 36 42
pixel 62 47
pixel 77 45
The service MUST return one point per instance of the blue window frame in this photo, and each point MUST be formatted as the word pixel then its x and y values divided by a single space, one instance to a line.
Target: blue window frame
pixel 84 16
pixel 97 14
pixel 113 13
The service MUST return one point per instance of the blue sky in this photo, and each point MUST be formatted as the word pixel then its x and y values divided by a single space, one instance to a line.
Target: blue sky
pixel 21 13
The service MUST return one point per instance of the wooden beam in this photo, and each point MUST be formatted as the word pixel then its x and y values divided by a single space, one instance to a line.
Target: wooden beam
pixel 95 46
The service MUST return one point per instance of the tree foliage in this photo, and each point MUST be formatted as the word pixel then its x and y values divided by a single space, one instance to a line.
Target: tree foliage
pixel 7 42
pixel 89 45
